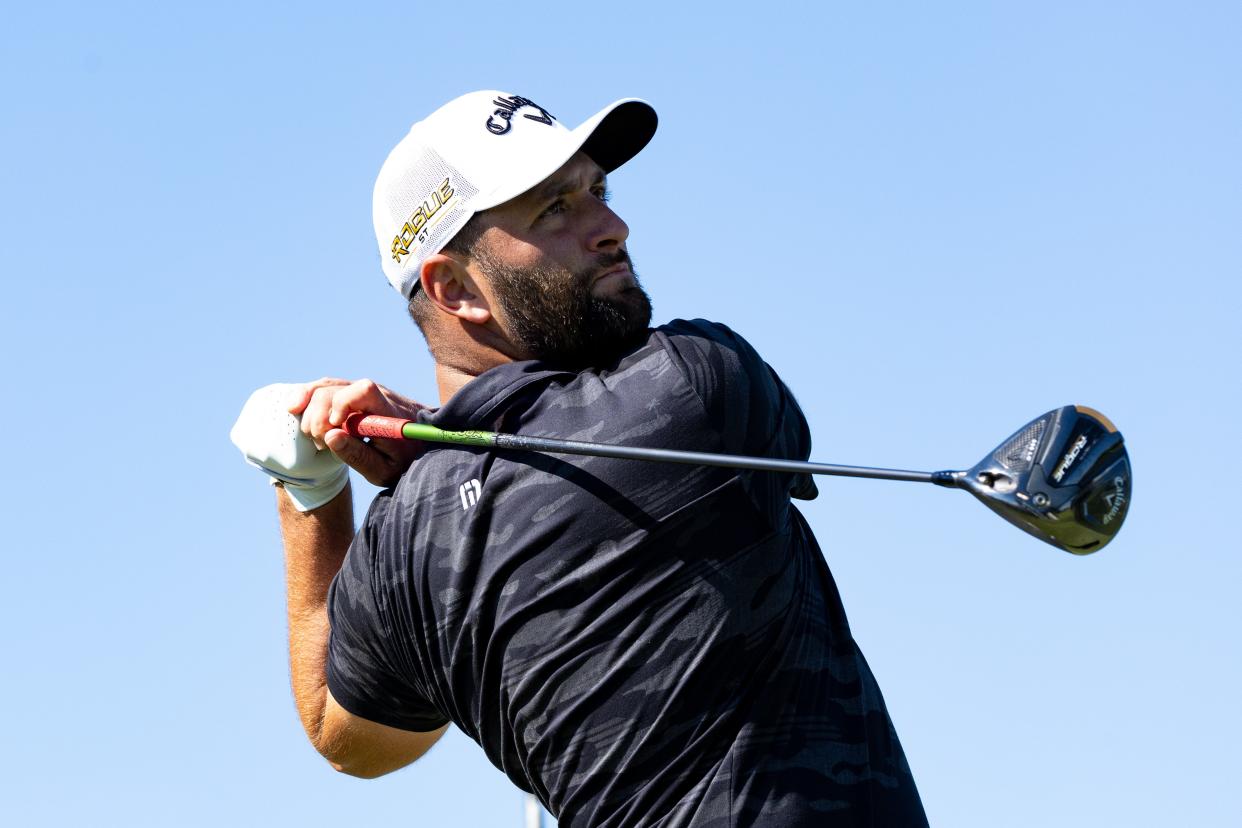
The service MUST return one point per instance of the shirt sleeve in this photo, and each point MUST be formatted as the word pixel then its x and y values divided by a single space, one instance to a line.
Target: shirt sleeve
pixel 746 402
pixel 365 671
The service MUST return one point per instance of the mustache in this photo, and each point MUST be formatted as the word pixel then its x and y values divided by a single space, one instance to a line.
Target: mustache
pixel 604 261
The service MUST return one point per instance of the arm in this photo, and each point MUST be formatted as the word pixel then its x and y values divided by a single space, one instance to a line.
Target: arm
pixel 315 545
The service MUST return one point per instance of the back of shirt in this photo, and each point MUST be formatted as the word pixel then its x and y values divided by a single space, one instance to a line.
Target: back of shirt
pixel 637 643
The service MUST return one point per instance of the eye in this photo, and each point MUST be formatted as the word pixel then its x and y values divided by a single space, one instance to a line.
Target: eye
pixel 602 193
pixel 556 207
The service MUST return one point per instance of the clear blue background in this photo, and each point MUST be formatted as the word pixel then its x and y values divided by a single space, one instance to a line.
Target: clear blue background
pixel 935 220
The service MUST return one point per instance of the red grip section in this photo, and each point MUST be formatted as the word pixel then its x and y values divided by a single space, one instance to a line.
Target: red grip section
pixel 373 425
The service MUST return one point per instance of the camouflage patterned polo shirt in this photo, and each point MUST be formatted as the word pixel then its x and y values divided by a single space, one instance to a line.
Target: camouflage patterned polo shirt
pixel 637 643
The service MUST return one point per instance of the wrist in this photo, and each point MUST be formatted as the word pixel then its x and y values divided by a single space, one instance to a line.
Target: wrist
pixel 316 540
pixel 307 495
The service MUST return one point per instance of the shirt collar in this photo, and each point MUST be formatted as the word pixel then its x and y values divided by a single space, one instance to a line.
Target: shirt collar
pixel 476 404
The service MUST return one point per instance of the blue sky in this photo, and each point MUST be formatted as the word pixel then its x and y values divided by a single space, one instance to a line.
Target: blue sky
pixel 936 221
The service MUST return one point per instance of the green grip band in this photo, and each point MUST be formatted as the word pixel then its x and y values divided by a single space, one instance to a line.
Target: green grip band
pixel 431 434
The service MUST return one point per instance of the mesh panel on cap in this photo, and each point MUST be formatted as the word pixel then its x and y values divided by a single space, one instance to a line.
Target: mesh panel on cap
pixel 423 220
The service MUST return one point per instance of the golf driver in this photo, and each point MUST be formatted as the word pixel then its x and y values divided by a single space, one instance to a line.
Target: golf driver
pixel 1064 477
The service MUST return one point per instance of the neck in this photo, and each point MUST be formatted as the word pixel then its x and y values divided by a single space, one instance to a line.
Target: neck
pixel 450 380
pixel 462 352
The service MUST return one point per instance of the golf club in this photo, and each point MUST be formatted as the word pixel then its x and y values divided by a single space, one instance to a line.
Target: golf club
pixel 1064 477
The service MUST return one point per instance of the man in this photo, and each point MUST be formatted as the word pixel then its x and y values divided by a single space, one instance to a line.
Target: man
pixel 638 644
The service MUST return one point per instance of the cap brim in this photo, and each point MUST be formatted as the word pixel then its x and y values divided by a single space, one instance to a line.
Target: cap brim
pixel 618 132
pixel 610 137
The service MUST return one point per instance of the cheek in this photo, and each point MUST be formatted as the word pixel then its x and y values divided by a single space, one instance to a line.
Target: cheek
pixel 556 248
pixel 522 253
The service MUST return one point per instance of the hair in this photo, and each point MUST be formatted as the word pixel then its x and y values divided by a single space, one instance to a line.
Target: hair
pixel 463 243
pixel 464 240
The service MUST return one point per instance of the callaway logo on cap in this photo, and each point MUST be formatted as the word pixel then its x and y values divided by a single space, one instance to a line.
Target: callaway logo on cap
pixel 477 152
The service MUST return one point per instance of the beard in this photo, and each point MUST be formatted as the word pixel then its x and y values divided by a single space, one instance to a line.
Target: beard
pixel 552 315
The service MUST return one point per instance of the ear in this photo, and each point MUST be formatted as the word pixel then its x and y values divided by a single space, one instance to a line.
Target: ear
pixel 448 283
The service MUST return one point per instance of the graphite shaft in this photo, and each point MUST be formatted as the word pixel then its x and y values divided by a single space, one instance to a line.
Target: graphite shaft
pixel 377 426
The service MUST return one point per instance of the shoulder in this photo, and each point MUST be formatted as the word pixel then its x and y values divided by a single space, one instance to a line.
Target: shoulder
pixel 712 357
pixel 678 370
pixel 698 339
pixel 700 329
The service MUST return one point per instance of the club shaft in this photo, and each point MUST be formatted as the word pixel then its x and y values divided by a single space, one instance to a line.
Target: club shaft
pixel 375 426
pixel 700 458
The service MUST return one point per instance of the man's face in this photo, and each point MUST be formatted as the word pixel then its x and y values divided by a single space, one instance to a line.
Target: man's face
pixel 556 261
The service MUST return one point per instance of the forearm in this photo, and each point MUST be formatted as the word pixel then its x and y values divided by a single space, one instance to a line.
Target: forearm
pixel 315 545
pixel 287 437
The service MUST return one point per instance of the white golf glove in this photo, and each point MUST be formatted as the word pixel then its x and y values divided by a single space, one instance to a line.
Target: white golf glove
pixel 272 440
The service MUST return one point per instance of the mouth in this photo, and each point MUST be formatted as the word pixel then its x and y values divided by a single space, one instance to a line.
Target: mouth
pixel 616 276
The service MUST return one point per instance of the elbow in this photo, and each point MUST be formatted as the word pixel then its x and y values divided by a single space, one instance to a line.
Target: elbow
pixel 358 760
pixel 358 770
pixel 355 763
pixel 365 749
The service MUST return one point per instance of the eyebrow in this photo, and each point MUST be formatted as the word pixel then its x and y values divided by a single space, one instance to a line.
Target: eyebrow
pixel 556 189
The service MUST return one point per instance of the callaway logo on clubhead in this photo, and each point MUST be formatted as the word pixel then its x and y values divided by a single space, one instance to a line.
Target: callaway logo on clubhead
pixel 1116 501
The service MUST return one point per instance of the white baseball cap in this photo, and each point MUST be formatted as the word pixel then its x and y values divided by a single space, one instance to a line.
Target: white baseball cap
pixel 476 152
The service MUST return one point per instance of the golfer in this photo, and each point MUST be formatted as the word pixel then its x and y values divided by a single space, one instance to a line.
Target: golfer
pixel 636 643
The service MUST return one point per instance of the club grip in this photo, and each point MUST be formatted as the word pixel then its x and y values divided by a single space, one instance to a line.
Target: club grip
pixel 374 425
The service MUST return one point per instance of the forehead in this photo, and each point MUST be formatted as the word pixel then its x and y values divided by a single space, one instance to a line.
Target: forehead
pixel 578 173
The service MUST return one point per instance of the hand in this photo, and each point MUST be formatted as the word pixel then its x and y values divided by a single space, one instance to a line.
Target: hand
pixel 271 440
pixel 323 406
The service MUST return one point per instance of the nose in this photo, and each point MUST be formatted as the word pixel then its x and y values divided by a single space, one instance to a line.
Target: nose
pixel 609 231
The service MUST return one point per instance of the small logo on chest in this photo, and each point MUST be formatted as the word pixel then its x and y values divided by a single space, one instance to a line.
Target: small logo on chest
pixel 470 492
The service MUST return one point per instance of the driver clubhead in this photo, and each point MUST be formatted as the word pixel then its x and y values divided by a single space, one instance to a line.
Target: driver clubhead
pixel 1064 477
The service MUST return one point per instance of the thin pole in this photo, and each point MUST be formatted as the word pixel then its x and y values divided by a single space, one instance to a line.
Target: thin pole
pixel 534 813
